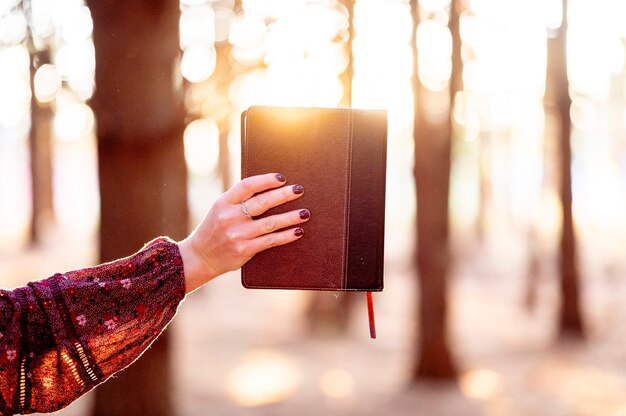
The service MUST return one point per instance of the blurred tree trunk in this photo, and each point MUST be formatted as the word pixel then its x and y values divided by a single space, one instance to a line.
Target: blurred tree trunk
pixel 557 89
pixel 330 312
pixel 40 154
pixel 140 121
pixel 432 177
pixel 533 272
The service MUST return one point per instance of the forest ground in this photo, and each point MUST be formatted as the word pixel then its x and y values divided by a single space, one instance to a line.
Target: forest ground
pixel 242 352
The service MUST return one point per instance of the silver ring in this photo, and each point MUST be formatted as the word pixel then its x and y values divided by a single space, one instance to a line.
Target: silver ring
pixel 245 210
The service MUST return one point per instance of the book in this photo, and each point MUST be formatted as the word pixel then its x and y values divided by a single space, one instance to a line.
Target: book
pixel 339 156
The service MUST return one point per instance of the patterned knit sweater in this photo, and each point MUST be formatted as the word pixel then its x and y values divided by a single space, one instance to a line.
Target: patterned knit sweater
pixel 62 336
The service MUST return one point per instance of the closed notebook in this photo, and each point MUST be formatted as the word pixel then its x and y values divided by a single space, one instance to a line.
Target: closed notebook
pixel 339 156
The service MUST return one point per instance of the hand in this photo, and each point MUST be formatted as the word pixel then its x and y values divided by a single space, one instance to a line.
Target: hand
pixel 228 236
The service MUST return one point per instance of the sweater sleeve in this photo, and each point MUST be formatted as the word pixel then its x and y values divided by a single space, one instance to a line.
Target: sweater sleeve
pixel 62 336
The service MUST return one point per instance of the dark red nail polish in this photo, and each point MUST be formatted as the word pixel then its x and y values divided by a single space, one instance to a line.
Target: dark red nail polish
pixel 298 232
pixel 297 189
pixel 280 177
pixel 304 214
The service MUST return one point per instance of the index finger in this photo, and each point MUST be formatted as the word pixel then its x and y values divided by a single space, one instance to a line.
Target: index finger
pixel 249 186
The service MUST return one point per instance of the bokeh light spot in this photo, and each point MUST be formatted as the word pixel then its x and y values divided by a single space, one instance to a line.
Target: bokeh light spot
pixel 262 378
pixel 73 121
pixel 337 384
pixel 480 384
pixel 198 63
pixel 201 139
pixel 47 83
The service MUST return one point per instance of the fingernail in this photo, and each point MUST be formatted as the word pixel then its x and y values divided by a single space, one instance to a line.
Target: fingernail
pixel 298 232
pixel 297 189
pixel 280 177
pixel 304 214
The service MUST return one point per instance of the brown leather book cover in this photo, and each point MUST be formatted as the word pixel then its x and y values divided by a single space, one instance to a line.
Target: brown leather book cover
pixel 339 156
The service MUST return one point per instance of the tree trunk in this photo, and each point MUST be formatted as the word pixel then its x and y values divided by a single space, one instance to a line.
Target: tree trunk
pixel 140 118
pixel 432 176
pixel 570 322
pixel 40 155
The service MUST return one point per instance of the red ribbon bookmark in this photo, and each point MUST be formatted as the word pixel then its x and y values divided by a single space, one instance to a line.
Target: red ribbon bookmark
pixel 370 314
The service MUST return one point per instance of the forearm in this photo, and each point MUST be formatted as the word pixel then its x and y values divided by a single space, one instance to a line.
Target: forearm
pixel 64 335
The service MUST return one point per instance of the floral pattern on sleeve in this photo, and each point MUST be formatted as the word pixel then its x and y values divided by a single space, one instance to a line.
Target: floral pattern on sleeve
pixel 62 336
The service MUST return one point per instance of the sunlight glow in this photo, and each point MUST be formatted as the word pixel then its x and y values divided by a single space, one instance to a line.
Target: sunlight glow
pixel 287 82
pixel 299 48
pixel 296 83
pixel 263 377
pixel 330 58
pixel 248 89
pixel 201 139
pixel 322 23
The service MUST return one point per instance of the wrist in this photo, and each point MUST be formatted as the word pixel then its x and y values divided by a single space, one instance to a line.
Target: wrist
pixel 197 273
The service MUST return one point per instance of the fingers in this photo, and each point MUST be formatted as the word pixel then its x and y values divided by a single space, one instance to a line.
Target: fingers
pixel 260 203
pixel 247 187
pixel 272 223
pixel 264 236
pixel 275 239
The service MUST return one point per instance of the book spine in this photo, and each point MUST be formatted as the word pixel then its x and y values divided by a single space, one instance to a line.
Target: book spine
pixel 365 243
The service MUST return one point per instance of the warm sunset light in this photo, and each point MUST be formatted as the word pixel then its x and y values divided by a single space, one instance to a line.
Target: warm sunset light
pixel 493 282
